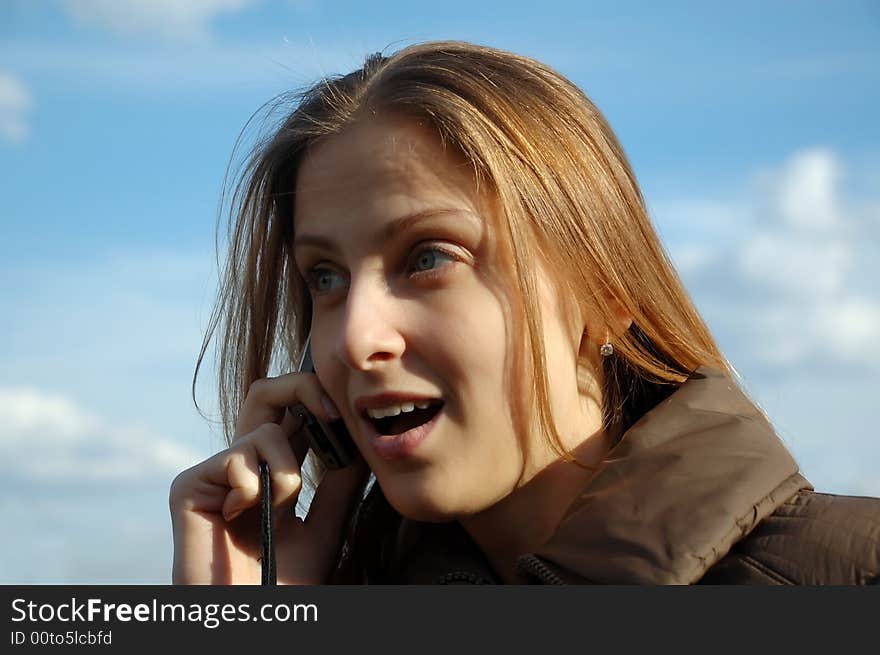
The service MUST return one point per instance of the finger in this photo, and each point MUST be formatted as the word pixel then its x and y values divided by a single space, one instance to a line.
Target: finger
pixel 242 475
pixel 285 470
pixel 335 498
pixel 268 443
pixel 268 398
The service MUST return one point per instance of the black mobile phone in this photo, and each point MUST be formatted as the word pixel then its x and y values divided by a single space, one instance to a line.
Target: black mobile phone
pixel 331 442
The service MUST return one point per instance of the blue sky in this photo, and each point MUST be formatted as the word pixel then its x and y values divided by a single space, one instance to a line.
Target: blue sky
pixel 751 128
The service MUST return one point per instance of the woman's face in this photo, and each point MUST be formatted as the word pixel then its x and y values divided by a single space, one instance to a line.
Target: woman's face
pixel 406 278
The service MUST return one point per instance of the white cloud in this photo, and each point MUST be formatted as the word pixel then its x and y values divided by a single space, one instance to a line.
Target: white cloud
pixel 28 415
pixel 795 263
pixel 95 366
pixel 854 323
pixel 807 193
pixel 785 273
pixel 15 102
pixel 168 19
pixel 790 282
pixel 46 437
pixel 118 332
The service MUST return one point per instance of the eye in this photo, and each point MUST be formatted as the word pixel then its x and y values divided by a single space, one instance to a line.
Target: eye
pixel 321 280
pixel 430 258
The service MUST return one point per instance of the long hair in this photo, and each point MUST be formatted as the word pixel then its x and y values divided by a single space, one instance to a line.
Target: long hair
pixel 565 193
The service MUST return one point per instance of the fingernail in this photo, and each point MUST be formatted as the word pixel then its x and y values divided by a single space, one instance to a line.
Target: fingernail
pixel 329 407
pixel 233 514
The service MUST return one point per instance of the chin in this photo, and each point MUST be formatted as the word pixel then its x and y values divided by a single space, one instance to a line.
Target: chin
pixel 416 506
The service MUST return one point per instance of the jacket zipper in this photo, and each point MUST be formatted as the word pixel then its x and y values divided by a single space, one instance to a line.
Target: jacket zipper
pixel 531 564
pixel 461 576
pixel 526 564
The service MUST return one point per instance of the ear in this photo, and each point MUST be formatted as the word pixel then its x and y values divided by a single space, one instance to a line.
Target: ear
pixel 597 332
pixel 622 318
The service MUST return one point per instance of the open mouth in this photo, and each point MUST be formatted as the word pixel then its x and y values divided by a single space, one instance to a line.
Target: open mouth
pixel 405 421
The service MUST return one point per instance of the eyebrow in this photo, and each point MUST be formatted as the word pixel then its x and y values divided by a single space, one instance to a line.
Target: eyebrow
pixel 387 231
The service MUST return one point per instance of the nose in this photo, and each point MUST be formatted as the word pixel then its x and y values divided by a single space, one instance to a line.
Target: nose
pixel 370 331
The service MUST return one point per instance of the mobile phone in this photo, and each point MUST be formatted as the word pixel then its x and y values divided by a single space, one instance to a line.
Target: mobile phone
pixel 331 442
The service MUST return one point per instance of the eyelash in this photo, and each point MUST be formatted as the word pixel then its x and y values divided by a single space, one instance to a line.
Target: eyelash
pixel 312 274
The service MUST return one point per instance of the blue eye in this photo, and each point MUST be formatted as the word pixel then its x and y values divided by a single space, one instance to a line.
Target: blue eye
pixel 426 263
pixel 321 280
pixel 427 259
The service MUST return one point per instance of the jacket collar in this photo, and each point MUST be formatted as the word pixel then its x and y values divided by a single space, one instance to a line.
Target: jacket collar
pixel 693 476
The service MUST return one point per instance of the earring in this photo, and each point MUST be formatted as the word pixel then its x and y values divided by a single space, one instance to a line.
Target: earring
pixel 606 349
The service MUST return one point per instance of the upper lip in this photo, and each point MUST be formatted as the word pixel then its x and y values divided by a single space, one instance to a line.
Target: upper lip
pixel 363 403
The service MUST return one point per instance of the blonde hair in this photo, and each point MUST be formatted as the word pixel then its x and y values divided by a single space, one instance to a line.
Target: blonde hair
pixel 565 193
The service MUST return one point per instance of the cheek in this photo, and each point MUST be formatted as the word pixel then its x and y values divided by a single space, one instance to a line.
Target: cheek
pixel 469 347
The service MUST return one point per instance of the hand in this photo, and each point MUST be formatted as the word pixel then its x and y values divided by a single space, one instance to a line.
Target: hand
pixel 215 512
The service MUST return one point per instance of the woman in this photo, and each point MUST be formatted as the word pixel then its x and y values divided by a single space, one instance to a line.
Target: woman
pixel 495 321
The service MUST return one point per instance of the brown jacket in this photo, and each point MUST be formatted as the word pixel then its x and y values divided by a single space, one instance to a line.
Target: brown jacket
pixel 700 490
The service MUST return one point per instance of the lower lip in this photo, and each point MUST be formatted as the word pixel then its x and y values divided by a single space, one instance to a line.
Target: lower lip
pixel 397 446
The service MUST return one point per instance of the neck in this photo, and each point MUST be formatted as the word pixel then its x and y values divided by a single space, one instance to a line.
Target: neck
pixel 526 518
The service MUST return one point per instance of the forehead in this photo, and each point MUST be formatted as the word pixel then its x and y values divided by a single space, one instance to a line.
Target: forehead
pixel 382 166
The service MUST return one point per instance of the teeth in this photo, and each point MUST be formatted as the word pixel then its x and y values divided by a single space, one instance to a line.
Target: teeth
pixel 394 410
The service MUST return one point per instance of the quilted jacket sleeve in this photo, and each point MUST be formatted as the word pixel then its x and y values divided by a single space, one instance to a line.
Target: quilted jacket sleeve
pixel 814 538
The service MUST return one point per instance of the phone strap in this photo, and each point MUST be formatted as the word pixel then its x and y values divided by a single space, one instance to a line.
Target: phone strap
pixel 267 559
